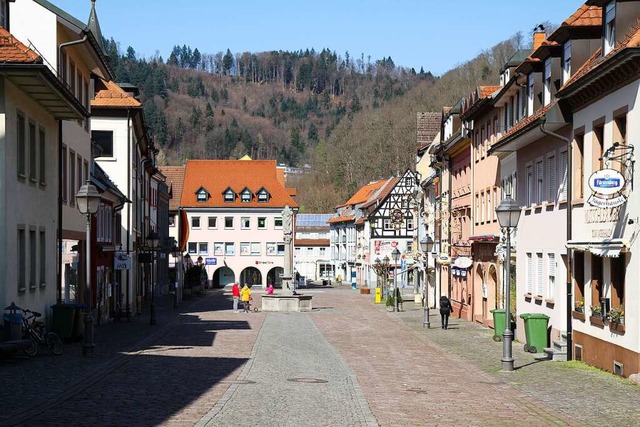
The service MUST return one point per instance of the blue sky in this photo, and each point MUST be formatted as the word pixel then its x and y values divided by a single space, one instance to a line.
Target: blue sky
pixel 436 35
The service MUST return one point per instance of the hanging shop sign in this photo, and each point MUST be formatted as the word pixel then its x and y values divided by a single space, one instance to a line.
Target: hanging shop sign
pixel 607 186
pixel 121 261
pixel 463 262
pixel 443 259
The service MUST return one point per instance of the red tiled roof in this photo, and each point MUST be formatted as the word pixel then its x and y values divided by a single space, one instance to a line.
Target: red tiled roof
pixel 427 127
pixel 363 194
pixel 487 90
pixel 630 40
pixel 109 94
pixel 175 181
pixel 216 176
pixel 389 184
pixel 524 122
pixel 13 51
pixel 347 215
pixel 585 16
pixel 311 242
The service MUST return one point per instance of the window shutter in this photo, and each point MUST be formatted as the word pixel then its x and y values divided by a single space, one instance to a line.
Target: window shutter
pixel 551 176
pixel 540 288
pixel 529 273
pixel 551 268
pixel 563 172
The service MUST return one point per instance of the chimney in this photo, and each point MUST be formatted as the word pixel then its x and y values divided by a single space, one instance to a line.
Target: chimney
pixel 539 35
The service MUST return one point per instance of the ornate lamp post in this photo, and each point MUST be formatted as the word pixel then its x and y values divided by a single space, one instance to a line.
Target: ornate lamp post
pixel 508 213
pixel 426 245
pixel 395 254
pixel 152 241
pixel 88 201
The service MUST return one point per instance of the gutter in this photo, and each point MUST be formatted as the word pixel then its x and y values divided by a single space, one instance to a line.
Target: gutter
pixel 569 184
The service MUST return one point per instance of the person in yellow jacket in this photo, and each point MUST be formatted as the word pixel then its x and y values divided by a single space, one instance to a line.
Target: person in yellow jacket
pixel 245 297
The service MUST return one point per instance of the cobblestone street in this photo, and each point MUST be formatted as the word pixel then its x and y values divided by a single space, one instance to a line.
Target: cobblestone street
pixel 349 362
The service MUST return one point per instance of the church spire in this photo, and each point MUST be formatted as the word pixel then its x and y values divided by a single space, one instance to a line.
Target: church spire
pixel 94 25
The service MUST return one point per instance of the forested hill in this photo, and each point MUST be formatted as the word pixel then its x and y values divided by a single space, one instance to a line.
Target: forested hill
pixel 351 120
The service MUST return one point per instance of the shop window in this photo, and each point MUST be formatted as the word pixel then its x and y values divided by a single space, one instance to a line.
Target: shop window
pixel 578 276
pixel 618 269
pixel 597 274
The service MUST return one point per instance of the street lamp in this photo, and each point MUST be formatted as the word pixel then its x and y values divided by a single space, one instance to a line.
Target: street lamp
pixel 426 245
pixel 395 254
pixel 152 241
pixel 508 213
pixel 385 264
pixel 87 201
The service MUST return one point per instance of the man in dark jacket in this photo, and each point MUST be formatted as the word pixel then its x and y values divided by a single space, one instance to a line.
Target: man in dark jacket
pixel 445 310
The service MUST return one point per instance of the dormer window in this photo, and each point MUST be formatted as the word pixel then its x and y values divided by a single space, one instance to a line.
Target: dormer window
pixel 246 196
pixel 547 81
pixel 530 84
pixel 566 61
pixel 229 195
pixel 609 27
pixel 202 195
pixel 263 196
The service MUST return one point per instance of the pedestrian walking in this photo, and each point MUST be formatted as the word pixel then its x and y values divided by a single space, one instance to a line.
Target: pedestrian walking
pixel 235 291
pixel 245 297
pixel 270 289
pixel 445 310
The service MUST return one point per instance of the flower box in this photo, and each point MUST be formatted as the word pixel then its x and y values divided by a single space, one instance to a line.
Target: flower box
pixel 617 327
pixel 578 315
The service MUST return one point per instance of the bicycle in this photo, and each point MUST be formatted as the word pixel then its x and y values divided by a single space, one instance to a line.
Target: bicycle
pixel 34 329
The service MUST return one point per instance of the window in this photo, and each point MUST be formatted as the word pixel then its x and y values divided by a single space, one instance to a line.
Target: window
pixel 246 196
pixel 203 248
pixel 529 182
pixel 280 248
pixel 409 224
pixel 3 14
pixel 323 252
pixel 563 175
pixel 218 248
pixel 42 154
pixel 540 181
pixel 578 275
pixel 609 27
pixel 495 203
pixel 72 77
pixel 482 207
pixel 245 248
pixel 22 147
pixel 620 136
pixel 172 220
pixel 43 258
pixel 79 171
pixel 547 81
pixel 192 247
pixel 255 248
pixel 262 223
pixel 228 222
pixel 32 258
pixel 529 273
pixel 618 269
pixel 72 177
pixel 245 223
pixel 598 147
pixel 272 248
pixel 195 222
pixel 32 151
pixel 202 196
pixel 578 167
pixel 22 258
pixel 566 62
pixel 551 178
pixel 551 272
pixel 213 222
pixel 530 85
pixel 229 196
pixel 277 223
pixel 386 224
pixel 63 67
pixel 263 196
pixel 86 171
pixel 597 284
pixel 63 155
pixel 229 248
pixel 539 267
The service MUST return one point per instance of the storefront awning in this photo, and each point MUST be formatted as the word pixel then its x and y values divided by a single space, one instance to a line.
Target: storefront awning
pixel 605 248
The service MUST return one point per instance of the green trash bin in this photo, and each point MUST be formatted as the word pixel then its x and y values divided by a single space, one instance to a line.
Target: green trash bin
pixel 498 323
pixel 63 320
pixel 535 330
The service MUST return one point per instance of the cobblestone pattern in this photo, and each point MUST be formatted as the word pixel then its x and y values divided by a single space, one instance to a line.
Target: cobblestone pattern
pixel 325 391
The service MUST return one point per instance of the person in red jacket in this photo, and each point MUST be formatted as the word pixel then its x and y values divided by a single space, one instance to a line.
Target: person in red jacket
pixel 235 290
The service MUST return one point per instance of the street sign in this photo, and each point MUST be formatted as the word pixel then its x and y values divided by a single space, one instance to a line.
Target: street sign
pixel 211 261
pixel 121 261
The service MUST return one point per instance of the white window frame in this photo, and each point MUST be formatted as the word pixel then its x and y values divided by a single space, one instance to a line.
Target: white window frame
pixel 552 172
pixel 228 227
pixel 272 249
pixel 564 170
pixel 529 288
pixel 245 248
pixel 246 196
pixel 539 274
pixel 529 182
pixel 264 223
pixel 215 222
pixel 256 249
pixel 540 193
pixel 280 248
pixel 609 38
pixel 277 223
pixel 530 87
pixel 229 248
pixel 263 196
pixel 201 196
pixel 547 82
pixel 551 274
pixel 566 62
pixel 203 248
pixel 245 223
pixel 192 248
pixel 229 196
pixel 193 222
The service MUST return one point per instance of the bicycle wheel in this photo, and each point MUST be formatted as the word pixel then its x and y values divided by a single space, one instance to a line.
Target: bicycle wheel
pixel 32 350
pixel 54 343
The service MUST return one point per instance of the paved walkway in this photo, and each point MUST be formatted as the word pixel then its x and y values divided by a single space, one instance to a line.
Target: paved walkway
pixel 205 365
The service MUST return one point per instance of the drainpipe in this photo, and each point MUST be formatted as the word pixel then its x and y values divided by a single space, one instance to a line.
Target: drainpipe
pixel 129 222
pixel 60 173
pixel 569 226
pixel 450 166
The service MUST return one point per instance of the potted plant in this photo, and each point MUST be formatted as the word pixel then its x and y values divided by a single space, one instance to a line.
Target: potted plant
pixel 596 311
pixel 389 302
pixel 616 314
pixel 579 304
